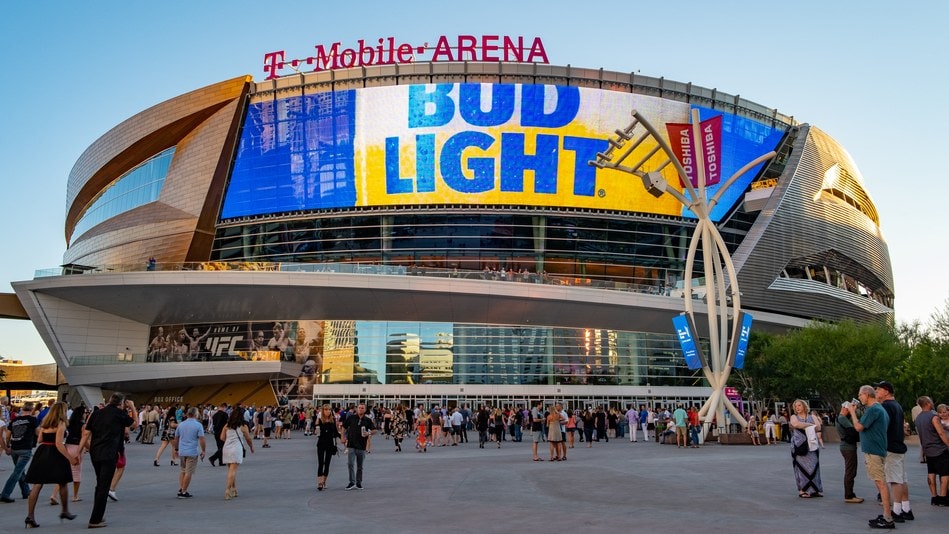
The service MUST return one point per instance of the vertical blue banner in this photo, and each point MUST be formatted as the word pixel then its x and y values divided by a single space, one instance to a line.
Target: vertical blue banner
pixel 742 346
pixel 689 348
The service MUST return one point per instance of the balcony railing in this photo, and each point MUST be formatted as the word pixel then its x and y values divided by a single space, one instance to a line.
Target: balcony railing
pixel 648 286
pixel 123 358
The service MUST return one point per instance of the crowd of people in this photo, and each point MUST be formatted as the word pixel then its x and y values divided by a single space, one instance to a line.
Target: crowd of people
pixel 47 446
pixel 876 421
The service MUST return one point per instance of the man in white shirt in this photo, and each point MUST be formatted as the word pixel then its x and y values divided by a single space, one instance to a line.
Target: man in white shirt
pixel 141 423
pixel 632 419
pixel 456 421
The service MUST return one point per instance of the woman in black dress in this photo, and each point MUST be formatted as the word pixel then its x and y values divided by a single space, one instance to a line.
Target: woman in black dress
pixel 167 436
pixel 325 444
pixel 51 462
pixel 498 419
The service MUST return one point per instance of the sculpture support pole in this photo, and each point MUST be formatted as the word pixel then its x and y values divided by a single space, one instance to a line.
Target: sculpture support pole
pixel 719 271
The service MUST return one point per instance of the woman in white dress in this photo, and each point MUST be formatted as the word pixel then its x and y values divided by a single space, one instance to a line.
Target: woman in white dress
pixel 236 440
pixel 769 420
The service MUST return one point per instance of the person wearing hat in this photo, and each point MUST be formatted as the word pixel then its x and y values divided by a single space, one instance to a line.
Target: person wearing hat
pixel 894 466
pixel 872 426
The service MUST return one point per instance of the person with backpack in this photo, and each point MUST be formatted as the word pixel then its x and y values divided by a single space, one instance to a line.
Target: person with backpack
pixel 20 443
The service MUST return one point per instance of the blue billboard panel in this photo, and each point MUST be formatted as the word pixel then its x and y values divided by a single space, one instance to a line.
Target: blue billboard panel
pixel 741 344
pixel 464 144
pixel 687 341
pixel 294 154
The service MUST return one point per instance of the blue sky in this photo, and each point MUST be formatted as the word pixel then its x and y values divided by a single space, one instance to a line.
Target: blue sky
pixel 867 73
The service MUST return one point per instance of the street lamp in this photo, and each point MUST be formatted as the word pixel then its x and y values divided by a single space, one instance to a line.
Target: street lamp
pixel 723 305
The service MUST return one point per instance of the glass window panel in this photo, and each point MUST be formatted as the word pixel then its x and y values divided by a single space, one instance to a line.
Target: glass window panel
pixel 135 188
pixel 400 352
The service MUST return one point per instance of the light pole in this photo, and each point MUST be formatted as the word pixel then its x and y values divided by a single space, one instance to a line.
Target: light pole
pixel 723 306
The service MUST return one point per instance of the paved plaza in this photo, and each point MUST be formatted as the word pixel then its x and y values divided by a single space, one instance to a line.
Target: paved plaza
pixel 612 487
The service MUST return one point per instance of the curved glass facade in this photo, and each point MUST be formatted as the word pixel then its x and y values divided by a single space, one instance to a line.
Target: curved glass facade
pixel 135 188
pixel 598 249
pixel 400 352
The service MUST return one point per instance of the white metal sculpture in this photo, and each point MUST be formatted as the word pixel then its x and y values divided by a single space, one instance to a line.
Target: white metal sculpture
pixel 721 281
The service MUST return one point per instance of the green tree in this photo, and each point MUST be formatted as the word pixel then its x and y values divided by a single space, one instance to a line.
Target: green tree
pixel 758 380
pixel 924 371
pixel 824 361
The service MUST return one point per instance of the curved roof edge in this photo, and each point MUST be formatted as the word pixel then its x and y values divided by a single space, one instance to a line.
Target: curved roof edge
pixel 140 137
pixel 500 72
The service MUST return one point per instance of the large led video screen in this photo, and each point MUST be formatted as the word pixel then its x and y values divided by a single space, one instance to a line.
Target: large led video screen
pixel 458 144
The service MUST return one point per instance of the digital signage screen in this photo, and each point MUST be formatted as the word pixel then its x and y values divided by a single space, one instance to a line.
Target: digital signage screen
pixel 475 144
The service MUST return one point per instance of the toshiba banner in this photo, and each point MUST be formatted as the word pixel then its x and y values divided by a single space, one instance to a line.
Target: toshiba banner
pixel 690 152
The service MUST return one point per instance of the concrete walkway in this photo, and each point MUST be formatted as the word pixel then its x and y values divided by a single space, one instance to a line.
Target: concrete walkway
pixel 613 487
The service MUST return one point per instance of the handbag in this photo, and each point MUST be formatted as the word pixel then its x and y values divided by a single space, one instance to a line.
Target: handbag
pixel 241 441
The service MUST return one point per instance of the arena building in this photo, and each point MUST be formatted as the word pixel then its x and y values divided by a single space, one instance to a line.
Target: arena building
pixel 432 232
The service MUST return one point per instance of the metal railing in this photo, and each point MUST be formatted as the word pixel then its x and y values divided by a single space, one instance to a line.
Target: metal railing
pixel 647 287
pixel 122 358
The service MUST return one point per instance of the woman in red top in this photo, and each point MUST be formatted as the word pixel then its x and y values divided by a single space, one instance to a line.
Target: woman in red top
pixel 421 426
pixel 571 428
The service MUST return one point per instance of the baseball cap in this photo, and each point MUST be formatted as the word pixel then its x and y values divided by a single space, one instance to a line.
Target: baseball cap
pixel 885 385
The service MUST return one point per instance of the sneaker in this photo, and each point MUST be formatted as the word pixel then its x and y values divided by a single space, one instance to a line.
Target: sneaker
pixel 184 495
pixel 881 522
pixel 113 496
pixel 908 515
pixel 7 499
pixel 898 518
pixel 350 486
pixel 359 486
pixel 854 500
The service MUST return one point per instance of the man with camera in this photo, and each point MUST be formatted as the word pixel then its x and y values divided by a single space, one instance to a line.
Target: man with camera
pixel 849 437
pixel 872 426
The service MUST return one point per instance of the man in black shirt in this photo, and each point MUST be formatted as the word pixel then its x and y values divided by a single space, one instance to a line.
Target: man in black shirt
pixel 20 448
pixel 218 422
pixel 358 430
pixel 103 433
pixel 895 453
pixel 601 425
